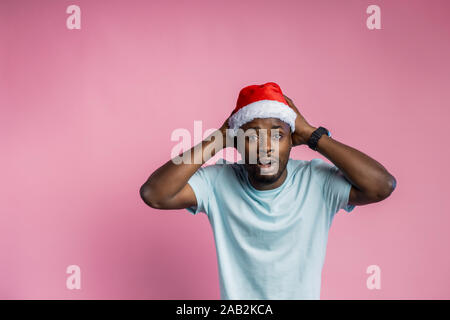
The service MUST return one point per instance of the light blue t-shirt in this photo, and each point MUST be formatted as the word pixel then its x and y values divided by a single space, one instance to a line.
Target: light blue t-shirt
pixel 270 244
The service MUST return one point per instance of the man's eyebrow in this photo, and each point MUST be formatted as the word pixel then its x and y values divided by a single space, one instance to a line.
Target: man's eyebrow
pixel 273 127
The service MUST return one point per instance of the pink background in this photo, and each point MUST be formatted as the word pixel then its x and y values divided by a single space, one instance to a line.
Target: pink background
pixel 87 116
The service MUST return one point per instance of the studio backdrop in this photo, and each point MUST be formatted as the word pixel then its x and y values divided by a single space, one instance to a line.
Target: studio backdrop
pixel 93 94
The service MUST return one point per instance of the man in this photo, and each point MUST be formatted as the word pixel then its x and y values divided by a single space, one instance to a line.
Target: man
pixel 271 216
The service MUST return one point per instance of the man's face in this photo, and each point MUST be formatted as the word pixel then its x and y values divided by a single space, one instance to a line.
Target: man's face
pixel 266 140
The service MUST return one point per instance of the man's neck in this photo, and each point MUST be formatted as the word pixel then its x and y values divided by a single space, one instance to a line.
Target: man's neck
pixel 268 186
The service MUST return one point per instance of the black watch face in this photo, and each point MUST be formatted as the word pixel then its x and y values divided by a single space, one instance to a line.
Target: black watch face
pixel 326 131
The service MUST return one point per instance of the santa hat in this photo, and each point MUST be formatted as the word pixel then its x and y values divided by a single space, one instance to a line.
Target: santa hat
pixel 260 101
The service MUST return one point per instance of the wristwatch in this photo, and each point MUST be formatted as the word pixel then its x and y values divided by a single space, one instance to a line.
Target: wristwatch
pixel 315 136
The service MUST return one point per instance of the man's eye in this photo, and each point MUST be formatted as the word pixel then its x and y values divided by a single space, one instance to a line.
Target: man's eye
pixel 253 138
pixel 277 136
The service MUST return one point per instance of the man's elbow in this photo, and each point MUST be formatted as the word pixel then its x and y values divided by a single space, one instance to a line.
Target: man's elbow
pixel 387 188
pixel 148 197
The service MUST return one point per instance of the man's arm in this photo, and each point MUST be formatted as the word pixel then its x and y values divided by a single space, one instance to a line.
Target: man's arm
pixel 167 187
pixel 371 182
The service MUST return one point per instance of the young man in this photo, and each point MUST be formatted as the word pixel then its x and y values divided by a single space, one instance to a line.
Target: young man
pixel 270 217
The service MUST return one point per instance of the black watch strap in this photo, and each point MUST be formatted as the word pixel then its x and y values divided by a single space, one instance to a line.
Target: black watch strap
pixel 315 136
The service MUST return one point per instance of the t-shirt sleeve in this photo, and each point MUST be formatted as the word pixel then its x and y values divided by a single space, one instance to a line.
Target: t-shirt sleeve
pixel 202 182
pixel 335 187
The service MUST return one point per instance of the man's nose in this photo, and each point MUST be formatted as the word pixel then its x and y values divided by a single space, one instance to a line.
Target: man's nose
pixel 265 145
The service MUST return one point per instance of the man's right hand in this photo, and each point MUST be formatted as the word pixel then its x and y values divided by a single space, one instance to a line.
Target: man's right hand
pixel 227 141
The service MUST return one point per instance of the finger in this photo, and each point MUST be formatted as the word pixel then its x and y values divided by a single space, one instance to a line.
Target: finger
pixel 289 100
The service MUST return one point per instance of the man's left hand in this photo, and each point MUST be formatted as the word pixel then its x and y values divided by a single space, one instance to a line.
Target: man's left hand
pixel 303 129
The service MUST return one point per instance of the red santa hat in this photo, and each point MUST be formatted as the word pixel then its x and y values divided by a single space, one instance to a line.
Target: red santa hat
pixel 260 101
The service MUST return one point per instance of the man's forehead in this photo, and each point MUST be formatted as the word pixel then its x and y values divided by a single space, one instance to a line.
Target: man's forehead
pixel 266 123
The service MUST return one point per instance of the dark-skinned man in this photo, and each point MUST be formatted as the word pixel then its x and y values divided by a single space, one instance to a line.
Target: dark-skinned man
pixel 270 214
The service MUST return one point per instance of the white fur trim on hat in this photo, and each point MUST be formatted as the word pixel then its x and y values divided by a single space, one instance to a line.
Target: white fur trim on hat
pixel 261 109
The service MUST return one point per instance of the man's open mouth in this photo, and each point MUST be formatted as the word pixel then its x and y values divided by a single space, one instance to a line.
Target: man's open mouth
pixel 266 162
